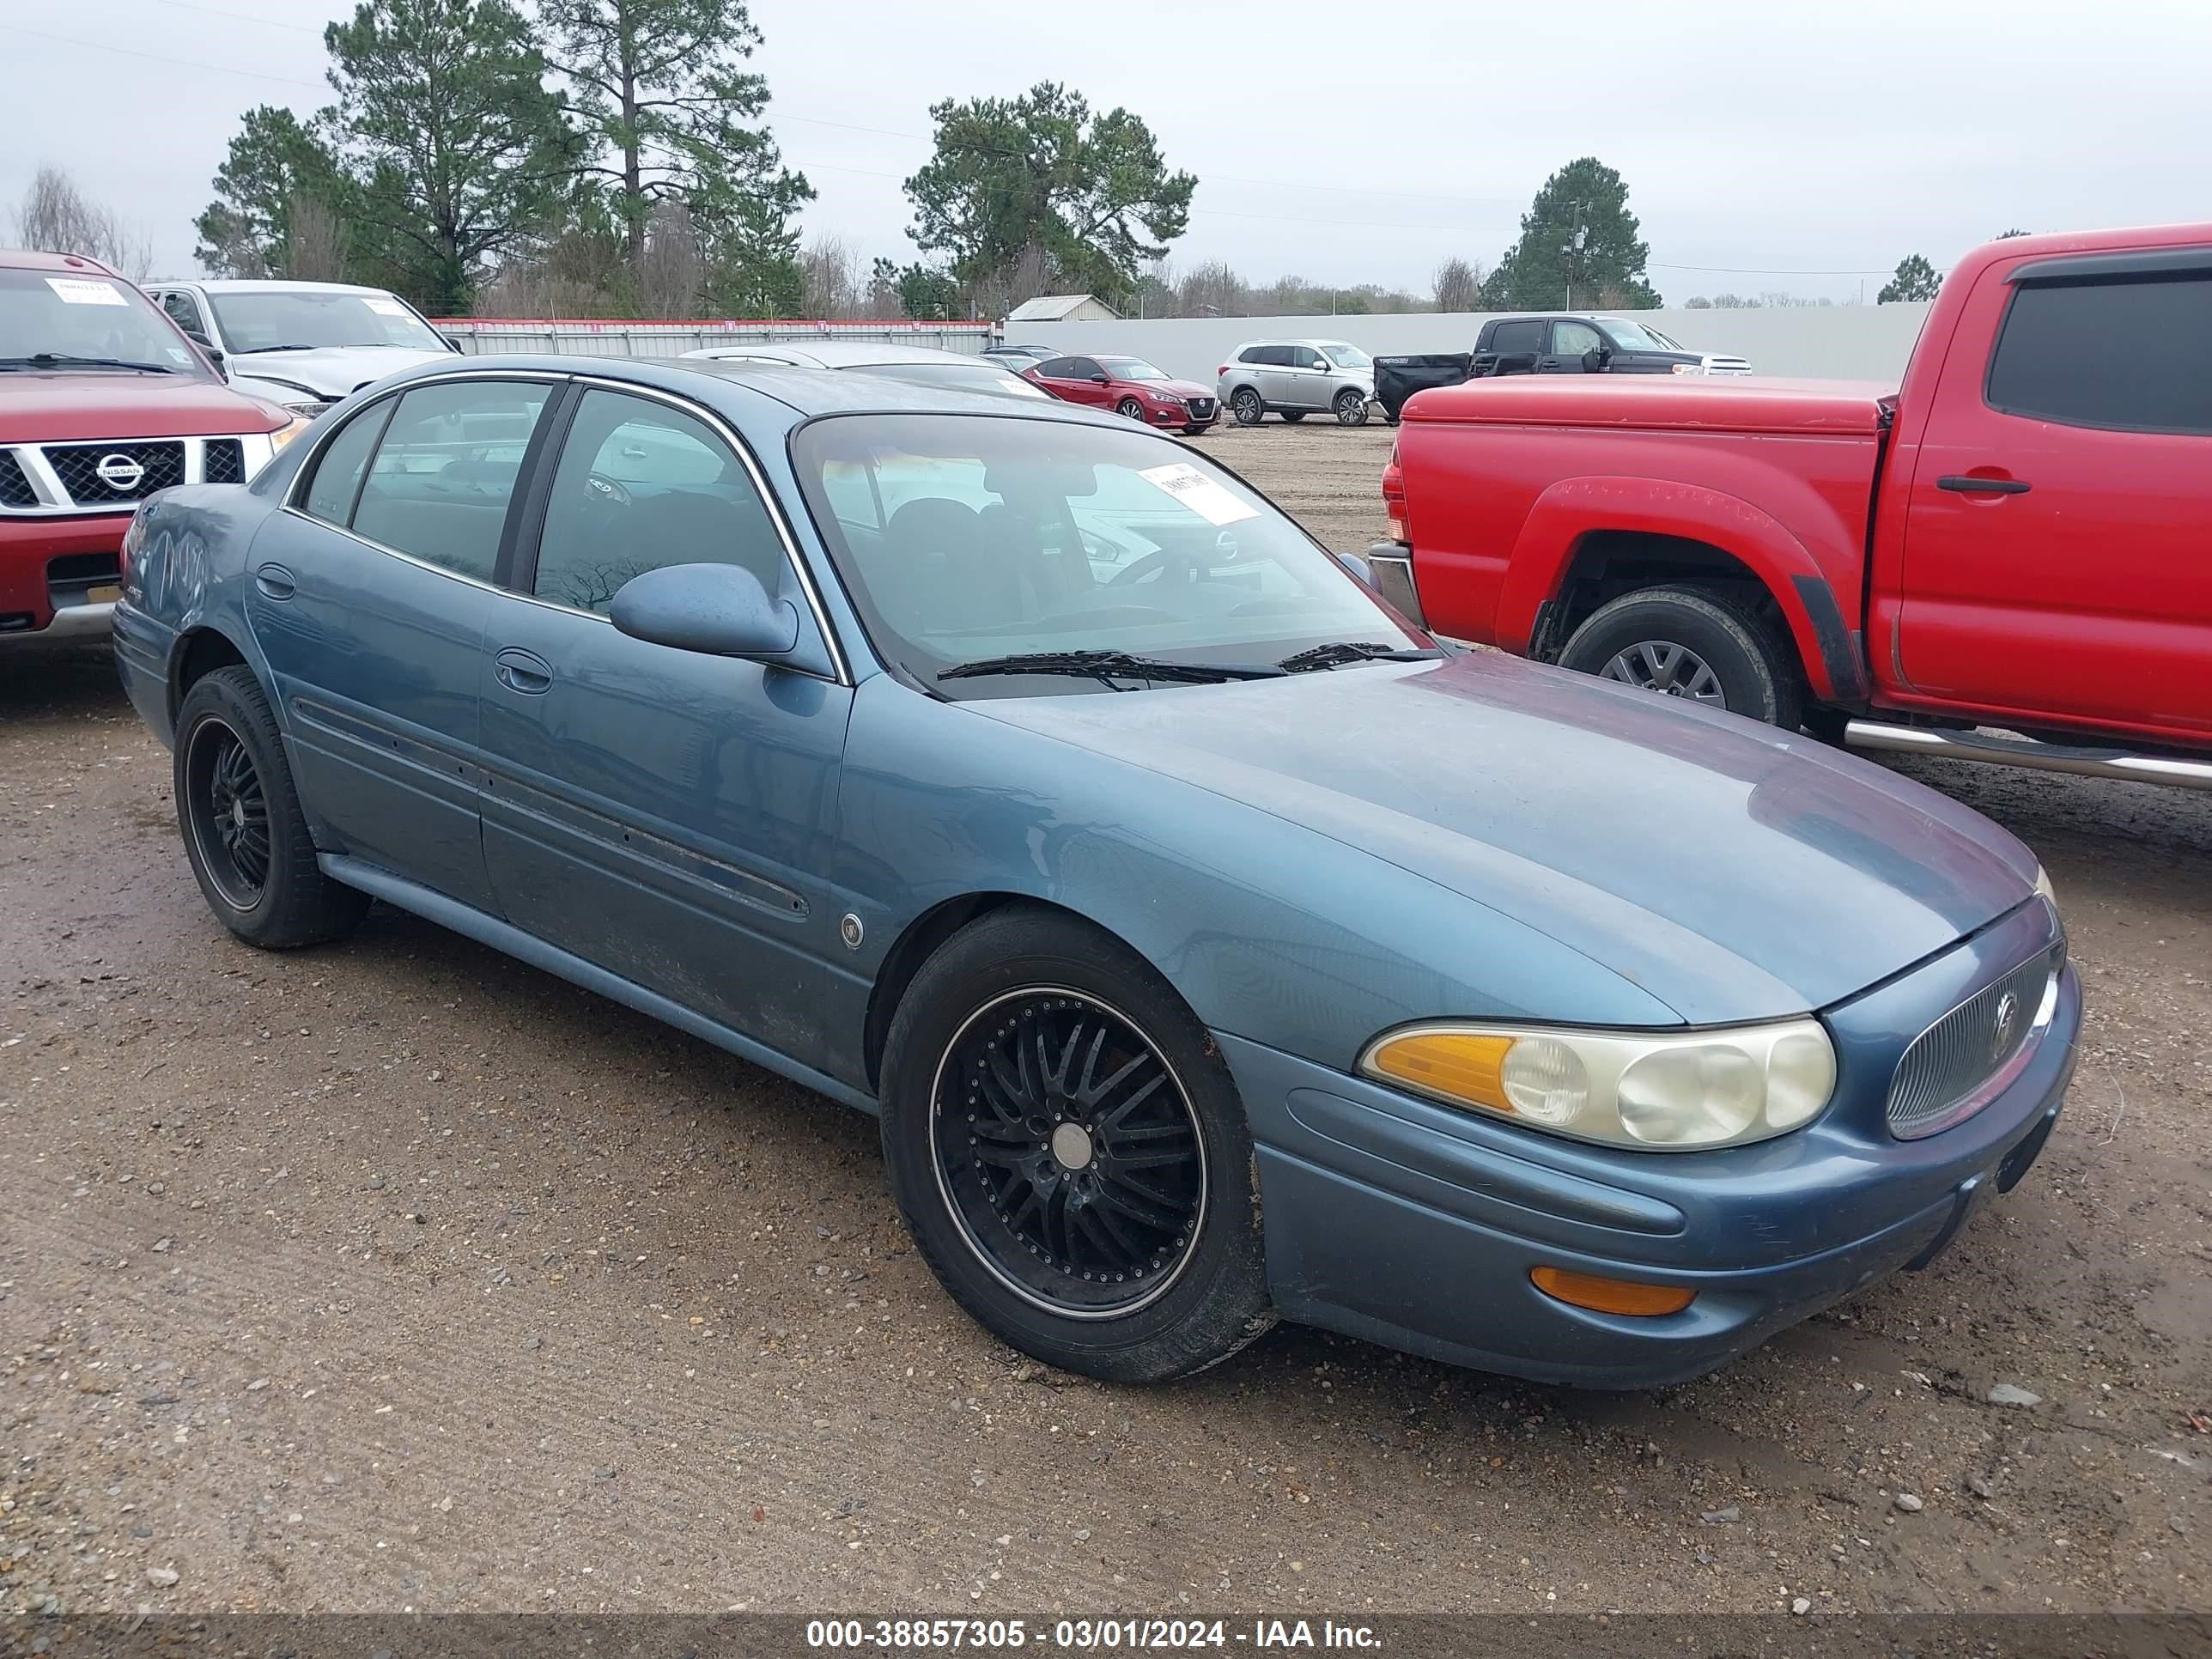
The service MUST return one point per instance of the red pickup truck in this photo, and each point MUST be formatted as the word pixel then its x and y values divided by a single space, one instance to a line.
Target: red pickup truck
pixel 102 401
pixel 2017 537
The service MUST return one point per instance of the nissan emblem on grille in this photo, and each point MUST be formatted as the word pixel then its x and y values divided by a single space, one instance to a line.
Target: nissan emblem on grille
pixel 2001 1033
pixel 120 472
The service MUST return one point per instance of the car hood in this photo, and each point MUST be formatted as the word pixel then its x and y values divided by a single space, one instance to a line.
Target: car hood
pixel 330 371
pixel 103 404
pixel 1184 389
pixel 1730 872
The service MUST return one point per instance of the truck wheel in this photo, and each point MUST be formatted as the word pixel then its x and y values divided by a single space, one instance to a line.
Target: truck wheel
pixel 1244 404
pixel 1689 642
pixel 1351 408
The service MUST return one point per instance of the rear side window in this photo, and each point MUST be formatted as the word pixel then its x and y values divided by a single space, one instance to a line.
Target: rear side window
pixel 2133 356
pixel 1518 336
pixel 1253 355
pixel 1057 368
pixel 446 468
pixel 340 467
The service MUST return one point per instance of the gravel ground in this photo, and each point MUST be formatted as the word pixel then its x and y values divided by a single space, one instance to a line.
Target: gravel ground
pixel 398 1275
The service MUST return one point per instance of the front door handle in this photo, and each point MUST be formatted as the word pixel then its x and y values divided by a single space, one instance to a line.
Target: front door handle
pixel 524 671
pixel 276 582
pixel 1968 484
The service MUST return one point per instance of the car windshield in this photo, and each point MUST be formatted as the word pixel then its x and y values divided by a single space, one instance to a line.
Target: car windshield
pixel 310 317
pixel 987 378
pixel 1130 368
pixel 1634 337
pixel 85 322
pixel 1345 355
pixel 964 538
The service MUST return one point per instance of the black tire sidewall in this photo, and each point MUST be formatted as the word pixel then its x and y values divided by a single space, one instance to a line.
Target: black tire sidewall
pixel 1246 405
pixel 1347 413
pixel 1755 681
pixel 1123 408
pixel 1218 1300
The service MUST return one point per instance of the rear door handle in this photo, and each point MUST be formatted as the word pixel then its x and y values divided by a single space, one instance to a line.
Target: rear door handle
pixel 1966 483
pixel 276 582
pixel 524 671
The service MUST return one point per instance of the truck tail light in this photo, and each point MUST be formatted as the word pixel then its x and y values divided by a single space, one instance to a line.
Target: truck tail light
pixel 1393 497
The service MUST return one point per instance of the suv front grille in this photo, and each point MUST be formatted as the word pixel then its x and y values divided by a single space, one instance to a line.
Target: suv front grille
pixel 15 489
pixel 139 469
pixel 224 461
pixel 1952 1059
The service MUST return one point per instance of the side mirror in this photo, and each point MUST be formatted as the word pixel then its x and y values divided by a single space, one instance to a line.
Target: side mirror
pixel 720 610
pixel 1594 360
pixel 1099 380
pixel 199 338
pixel 1362 572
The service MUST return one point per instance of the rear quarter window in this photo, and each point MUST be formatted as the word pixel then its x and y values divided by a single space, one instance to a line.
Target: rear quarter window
pixel 2132 355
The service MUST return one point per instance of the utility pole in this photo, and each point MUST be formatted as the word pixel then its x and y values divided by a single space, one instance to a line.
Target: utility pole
pixel 1572 248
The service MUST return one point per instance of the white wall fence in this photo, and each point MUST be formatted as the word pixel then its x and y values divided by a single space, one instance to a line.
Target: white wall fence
pixel 1852 343
pixel 483 335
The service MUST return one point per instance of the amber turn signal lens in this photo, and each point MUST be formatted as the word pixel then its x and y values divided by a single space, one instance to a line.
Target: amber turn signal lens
pixel 1612 1295
pixel 1459 1065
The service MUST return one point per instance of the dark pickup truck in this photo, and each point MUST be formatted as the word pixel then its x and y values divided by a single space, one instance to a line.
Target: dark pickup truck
pixel 1546 345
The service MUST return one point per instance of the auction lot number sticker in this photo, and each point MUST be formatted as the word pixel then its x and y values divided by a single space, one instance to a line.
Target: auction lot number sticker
pixel 1072 1635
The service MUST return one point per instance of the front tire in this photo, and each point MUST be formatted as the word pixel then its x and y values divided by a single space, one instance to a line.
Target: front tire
pixel 1068 1149
pixel 1351 408
pixel 1696 643
pixel 1294 415
pixel 1244 404
pixel 244 832
pixel 1130 409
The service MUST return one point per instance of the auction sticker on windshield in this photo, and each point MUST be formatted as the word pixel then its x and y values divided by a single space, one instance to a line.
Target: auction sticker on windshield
pixel 76 291
pixel 1198 493
pixel 384 307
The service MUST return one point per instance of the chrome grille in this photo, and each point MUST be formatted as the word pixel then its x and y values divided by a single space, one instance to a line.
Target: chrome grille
pixel 15 489
pixel 224 461
pixel 79 468
pixel 1948 1063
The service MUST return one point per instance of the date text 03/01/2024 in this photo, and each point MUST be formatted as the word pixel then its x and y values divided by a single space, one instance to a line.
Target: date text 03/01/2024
pixel 1083 1634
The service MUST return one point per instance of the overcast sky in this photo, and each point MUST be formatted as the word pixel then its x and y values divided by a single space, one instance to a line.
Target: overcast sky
pixel 1344 142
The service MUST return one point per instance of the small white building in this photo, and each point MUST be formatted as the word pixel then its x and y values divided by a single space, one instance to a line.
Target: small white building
pixel 1063 308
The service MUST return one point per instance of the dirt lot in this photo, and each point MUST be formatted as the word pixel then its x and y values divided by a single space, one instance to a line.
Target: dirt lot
pixel 399 1275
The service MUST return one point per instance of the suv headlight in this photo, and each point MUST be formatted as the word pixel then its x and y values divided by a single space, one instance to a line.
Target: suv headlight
pixel 1655 1092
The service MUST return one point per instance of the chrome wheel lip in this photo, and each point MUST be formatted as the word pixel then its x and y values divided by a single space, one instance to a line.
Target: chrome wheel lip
pixel 220 864
pixel 1668 667
pixel 1091 1315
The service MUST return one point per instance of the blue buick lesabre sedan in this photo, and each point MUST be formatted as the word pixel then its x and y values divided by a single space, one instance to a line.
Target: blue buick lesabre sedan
pixel 1214 945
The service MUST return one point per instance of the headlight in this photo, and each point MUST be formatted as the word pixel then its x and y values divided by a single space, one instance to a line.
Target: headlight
pixel 1685 368
pixel 2045 891
pixel 280 439
pixel 1670 1091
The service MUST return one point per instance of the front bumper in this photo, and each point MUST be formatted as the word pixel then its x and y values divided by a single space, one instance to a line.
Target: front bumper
pixel 1417 1226
pixel 49 588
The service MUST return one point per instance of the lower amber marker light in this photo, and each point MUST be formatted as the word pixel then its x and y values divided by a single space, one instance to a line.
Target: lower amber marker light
pixel 1612 1295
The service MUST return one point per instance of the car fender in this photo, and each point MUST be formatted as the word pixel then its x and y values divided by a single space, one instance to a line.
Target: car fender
pixel 189 575
pixel 1572 509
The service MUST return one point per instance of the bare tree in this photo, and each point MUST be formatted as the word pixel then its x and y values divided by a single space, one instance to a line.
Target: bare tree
pixel 315 247
pixel 670 269
pixel 1212 289
pixel 1458 283
pixel 836 280
pixel 55 216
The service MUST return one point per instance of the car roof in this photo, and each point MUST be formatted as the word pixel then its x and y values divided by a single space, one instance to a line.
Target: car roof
pixel 835 353
pixel 255 285
pixel 32 259
pixel 747 386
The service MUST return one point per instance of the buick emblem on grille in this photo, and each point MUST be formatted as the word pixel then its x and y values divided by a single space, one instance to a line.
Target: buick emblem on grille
pixel 2001 1028
pixel 119 471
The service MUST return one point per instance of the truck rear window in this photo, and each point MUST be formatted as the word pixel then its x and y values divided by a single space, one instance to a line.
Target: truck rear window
pixel 2133 356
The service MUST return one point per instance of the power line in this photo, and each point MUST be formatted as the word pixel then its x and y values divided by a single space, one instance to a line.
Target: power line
pixel 170 59
pixel 243 16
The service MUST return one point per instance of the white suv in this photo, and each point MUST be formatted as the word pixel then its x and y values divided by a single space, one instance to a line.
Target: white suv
pixel 303 345
pixel 1296 379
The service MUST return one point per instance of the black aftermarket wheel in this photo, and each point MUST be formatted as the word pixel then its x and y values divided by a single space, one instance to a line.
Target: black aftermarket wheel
pixel 1071 1158
pixel 244 835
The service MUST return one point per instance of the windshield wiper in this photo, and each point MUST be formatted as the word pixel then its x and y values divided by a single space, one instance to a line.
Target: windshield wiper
pixel 1110 665
pixel 64 360
pixel 1341 652
pixel 250 351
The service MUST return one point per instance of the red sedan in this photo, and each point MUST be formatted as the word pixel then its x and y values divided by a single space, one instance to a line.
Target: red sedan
pixel 1130 387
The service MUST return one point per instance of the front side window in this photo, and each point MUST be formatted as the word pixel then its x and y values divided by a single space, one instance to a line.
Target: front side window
pixel 293 319
pixel 82 322
pixel 445 472
pixel 1307 357
pixel 178 304
pixel 1574 340
pixel 2132 355
pixel 968 537
pixel 641 485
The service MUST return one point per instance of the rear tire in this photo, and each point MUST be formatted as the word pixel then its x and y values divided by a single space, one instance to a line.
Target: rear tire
pixel 1244 404
pixel 1351 409
pixel 1068 1149
pixel 1693 642
pixel 245 835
